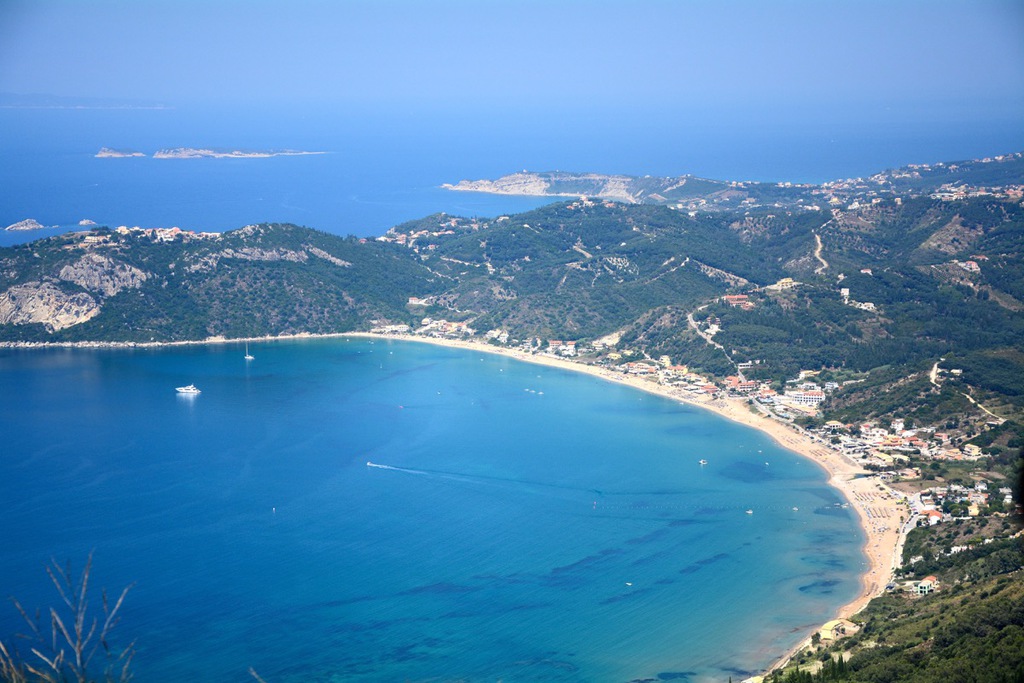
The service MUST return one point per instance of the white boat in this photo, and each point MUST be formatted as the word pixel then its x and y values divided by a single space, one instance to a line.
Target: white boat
pixel 703 462
pixel 247 356
pixel 750 512
pixel 190 389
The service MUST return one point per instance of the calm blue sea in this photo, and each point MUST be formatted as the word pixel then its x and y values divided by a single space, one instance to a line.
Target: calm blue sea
pixel 386 166
pixel 525 523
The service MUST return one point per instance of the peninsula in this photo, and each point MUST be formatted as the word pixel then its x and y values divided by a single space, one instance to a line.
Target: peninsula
pixel 943 180
pixel 558 184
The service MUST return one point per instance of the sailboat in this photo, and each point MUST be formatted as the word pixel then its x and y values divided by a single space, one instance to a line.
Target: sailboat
pixel 247 356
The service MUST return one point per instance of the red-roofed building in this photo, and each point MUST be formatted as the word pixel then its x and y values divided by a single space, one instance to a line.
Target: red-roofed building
pixel 933 517
pixel 636 368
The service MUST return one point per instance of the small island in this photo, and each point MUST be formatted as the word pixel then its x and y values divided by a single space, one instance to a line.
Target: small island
pixel 109 153
pixel 206 153
pixel 201 153
pixel 27 224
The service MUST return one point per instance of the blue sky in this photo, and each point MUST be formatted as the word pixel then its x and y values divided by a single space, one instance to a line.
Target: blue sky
pixel 940 58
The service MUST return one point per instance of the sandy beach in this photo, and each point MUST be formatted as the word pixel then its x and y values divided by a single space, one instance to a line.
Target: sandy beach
pixel 880 510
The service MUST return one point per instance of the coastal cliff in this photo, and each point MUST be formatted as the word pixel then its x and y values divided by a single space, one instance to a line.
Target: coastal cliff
pixel 46 304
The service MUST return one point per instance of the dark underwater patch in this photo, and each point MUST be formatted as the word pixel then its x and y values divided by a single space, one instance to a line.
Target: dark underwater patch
pixel 647 538
pixel 442 588
pixel 700 564
pixel 835 510
pixel 823 587
pixel 747 472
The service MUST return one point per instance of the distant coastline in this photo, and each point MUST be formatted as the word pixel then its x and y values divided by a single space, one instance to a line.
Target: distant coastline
pixel 202 153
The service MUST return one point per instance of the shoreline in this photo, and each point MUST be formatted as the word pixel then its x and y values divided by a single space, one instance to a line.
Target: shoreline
pixel 879 512
pixel 160 344
pixel 877 507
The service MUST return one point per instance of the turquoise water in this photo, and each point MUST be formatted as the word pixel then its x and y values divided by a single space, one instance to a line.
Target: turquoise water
pixel 530 523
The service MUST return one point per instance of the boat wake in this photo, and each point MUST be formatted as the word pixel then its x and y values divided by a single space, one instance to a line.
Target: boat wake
pixel 479 479
pixel 394 469
pixel 539 487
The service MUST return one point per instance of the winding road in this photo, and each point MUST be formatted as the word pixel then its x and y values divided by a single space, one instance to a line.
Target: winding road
pixel 817 252
pixel 933 376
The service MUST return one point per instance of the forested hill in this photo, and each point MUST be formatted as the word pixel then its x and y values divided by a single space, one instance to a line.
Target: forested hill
pixel 137 285
pixel 893 285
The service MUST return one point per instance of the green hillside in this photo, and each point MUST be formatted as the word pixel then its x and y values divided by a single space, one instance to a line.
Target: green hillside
pixel 260 280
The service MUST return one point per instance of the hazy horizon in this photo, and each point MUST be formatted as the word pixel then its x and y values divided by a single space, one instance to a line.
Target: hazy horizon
pixel 411 95
pixel 734 62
